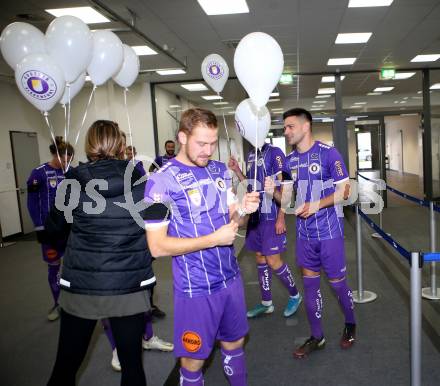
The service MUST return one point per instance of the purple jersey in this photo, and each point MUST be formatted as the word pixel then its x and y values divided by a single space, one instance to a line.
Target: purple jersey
pixel 270 163
pixel 314 174
pixel 198 201
pixel 42 187
pixel 140 167
pixel 163 159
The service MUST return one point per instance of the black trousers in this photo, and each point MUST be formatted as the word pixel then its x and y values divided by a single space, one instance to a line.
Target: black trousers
pixel 74 339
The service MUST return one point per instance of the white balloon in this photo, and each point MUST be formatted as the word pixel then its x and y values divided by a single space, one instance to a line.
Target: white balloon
pixel 215 71
pixel 40 80
pixel 249 120
pixel 258 63
pixel 19 40
pixel 69 41
pixel 75 88
pixel 107 58
pixel 130 68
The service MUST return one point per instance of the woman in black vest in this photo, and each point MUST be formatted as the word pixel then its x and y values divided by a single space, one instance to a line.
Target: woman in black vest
pixel 107 265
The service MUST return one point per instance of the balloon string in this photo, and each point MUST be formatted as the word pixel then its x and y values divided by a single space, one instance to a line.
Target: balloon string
pixel 226 129
pixel 256 152
pixel 46 118
pixel 82 122
pixel 67 126
pixel 129 124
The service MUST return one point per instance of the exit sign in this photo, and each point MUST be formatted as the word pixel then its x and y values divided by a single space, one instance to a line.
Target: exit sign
pixel 387 73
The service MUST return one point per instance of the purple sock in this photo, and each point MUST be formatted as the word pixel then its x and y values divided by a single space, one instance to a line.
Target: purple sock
pixel 286 278
pixel 234 366
pixel 108 332
pixel 265 279
pixel 148 331
pixel 53 279
pixel 191 378
pixel 313 303
pixel 345 298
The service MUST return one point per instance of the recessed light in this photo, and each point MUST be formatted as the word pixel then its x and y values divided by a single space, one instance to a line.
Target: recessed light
pixel 221 103
pixel 374 93
pixel 360 103
pixel 327 120
pixel 425 58
pixel 316 102
pixel 403 75
pixel 87 14
pixel 194 86
pixel 224 7
pixel 322 96
pixel 212 97
pixel 273 100
pixel 277 109
pixel 174 106
pixel 275 94
pixel 383 89
pixel 317 109
pixel 326 91
pixel 176 71
pixel 330 79
pixel 369 3
pixel 340 61
pixel 143 50
pixel 435 86
pixel 351 38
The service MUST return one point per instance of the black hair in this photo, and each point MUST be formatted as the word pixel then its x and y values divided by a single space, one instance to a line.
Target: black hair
pixel 298 112
pixel 169 141
pixel 56 145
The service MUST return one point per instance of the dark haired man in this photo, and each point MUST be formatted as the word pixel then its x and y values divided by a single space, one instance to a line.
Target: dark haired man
pixel 159 161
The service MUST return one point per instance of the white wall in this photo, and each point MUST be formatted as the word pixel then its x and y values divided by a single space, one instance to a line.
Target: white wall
pixel 19 115
pixel 412 143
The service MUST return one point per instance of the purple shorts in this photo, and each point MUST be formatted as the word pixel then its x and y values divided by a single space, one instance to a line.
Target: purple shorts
pixel 326 254
pixel 53 253
pixel 200 321
pixel 261 237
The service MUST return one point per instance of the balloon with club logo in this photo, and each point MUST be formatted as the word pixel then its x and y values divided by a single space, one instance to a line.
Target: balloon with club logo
pixel 107 58
pixel 75 88
pixel 258 63
pixel 130 68
pixel 40 80
pixel 19 40
pixel 69 42
pixel 249 120
pixel 215 71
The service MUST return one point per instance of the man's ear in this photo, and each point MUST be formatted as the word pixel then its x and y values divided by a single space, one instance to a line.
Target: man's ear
pixel 183 137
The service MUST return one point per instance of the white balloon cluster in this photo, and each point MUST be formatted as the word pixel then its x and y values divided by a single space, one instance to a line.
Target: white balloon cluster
pixel 52 68
pixel 258 63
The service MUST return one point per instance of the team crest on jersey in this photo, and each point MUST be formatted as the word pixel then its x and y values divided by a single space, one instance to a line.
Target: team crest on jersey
pixel 314 168
pixel 220 183
pixel 53 182
pixel 195 196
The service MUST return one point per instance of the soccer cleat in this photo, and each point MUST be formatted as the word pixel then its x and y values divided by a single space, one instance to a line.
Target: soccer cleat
pixel 311 344
pixel 260 309
pixel 292 305
pixel 116 365
pixel 54 313
pixel 155 343
pixel 348 336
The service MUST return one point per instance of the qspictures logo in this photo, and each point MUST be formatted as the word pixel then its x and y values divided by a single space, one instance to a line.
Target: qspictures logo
pixel 38 84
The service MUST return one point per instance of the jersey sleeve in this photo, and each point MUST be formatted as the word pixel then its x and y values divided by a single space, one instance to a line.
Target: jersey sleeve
pixel 278 161
pixel 158 202
pixel 34 185
pixel 338 170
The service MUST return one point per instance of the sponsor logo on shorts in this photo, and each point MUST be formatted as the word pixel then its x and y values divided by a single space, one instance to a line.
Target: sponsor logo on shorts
pixel 51 254
pixel 191 341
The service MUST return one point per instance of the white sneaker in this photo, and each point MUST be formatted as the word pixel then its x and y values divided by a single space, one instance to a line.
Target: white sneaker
pixel 155 343
pixel 54 313
pixel 116 365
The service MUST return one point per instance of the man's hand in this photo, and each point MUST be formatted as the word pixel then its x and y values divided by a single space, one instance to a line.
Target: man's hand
pixel 269 185
pixel 280 225
pixel 226 234
pixel 233 165
pixel 250 202
pixel 307 209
